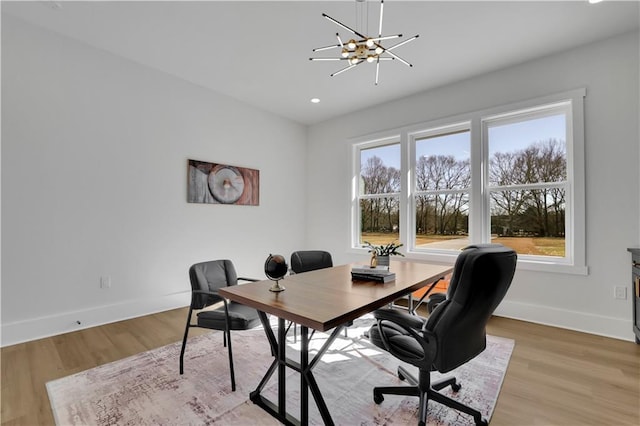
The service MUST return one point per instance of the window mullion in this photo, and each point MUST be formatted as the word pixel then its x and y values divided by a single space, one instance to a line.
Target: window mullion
pixel 479 201
pixel 407 186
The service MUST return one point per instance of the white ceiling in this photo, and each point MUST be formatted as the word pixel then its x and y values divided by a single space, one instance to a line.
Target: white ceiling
pixel 258 51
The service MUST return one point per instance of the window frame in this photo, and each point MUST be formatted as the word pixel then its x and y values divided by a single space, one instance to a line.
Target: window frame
pixel 358 146
pixel 574 261
pixel 413 138
pixel 519 116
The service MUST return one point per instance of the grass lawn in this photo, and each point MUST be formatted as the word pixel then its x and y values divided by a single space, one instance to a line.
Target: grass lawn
pixel 546 246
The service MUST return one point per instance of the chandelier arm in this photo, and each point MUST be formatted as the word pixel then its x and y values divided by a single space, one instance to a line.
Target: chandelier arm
pixel 377 69
pixel 381 14
pixel 319 49
pixel 385 37
pixel 340 40
pixel 331 59
pixel 345 69
pixel 351 30
pixel 397 57
pixel 403 42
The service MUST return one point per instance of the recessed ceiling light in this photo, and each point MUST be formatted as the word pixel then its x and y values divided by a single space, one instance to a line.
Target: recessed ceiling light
pixel 315 100
pixel 594 1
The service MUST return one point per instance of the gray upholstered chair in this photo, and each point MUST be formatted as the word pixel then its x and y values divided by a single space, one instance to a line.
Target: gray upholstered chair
pixel 206 278
pixel 453 334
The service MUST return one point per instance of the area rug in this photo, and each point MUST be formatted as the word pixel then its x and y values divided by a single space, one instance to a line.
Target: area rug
pixel 146 389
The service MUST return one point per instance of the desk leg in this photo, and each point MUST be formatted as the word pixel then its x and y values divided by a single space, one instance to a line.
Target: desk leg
pixel 311 383
pixel 280 362
pixel 304 366
pixel 307 381
pixel 282 368
pixel 255 395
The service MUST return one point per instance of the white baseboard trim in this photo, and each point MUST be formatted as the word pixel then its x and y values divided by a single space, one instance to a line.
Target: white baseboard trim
pixel 616 328
pixel 38 328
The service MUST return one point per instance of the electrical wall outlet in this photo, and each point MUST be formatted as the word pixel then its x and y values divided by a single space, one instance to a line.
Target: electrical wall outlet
pixel 620 292
pixel 105 282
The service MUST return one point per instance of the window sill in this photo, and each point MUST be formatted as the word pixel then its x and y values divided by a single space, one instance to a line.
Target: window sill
pixel 523 264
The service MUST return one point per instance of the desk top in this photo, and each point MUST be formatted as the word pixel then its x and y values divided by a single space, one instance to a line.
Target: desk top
pixel 326 298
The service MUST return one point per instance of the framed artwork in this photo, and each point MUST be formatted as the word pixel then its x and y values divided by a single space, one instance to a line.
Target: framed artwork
pixel 213 183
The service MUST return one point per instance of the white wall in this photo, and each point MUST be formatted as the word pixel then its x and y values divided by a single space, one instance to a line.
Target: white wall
pixel 94 152
pixel 609 72
pixel 94 172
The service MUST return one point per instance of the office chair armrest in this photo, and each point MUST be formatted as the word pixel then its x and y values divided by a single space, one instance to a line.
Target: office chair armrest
pixel 426 293
pixel 253 280
pixel 412 325
pixel 401 318
pixel 434 300
pixel 210 293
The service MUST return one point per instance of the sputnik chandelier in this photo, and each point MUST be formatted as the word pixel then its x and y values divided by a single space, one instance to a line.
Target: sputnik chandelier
pixel 363 48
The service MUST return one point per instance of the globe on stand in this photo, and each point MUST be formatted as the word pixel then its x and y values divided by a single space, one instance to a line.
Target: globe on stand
pixel 275 268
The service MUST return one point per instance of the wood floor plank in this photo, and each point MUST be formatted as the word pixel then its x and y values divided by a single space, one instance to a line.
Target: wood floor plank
pixel 555 377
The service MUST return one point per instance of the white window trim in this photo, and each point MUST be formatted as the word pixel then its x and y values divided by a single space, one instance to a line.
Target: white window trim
pixel 575 233
pixel 359 144
pixel 439 127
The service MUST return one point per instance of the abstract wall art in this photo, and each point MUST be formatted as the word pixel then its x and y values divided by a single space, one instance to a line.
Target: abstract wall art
pixel 213 183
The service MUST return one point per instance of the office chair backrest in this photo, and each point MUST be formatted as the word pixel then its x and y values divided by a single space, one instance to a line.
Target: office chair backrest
pixel 310 260
pixel 210 276
pixel 481 277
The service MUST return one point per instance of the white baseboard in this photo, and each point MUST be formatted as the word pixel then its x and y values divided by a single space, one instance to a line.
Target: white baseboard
pixel 37 328
pixel 616 328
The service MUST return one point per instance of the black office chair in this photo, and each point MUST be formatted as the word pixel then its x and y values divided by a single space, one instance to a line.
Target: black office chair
pixel 206 278
pixel 453 334
pixel 310 260
pixel 306 261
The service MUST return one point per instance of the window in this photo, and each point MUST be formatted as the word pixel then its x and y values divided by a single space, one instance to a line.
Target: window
pixel 512 175
pixel 441 188
pixel 527 182
pixel 379 194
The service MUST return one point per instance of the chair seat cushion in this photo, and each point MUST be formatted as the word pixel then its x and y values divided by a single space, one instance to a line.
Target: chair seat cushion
pixel 400 342
pixel 241 317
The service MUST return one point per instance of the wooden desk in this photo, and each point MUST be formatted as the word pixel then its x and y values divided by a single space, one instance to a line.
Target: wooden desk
pixel 321 300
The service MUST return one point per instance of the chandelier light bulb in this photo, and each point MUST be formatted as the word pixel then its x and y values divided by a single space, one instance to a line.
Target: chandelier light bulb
pixel 345 53
pixel 379 50
pixel 351 44
pixel 371 58
pixel 369 42
pixel 353 60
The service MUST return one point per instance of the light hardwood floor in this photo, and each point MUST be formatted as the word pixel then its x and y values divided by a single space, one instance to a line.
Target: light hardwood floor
pixel 555 377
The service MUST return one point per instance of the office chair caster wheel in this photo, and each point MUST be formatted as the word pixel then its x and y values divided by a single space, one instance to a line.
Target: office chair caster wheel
pixel 456 387
pixel 377 398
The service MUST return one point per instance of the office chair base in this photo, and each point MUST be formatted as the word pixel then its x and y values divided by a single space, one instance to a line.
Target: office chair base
pixel 431 393
pixel 403 375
